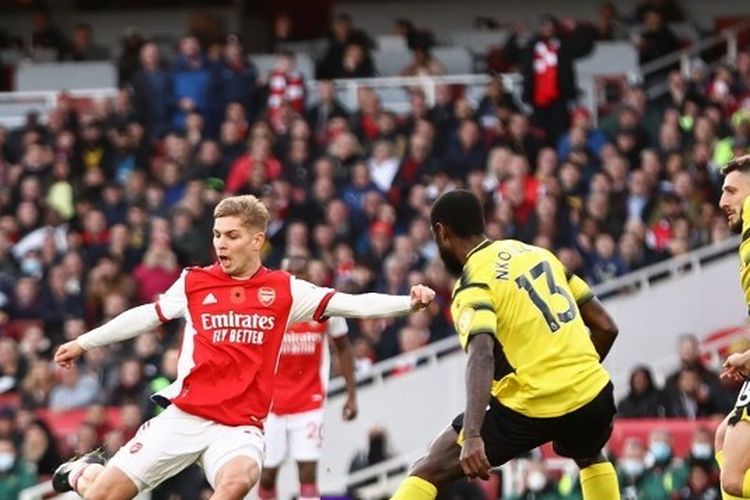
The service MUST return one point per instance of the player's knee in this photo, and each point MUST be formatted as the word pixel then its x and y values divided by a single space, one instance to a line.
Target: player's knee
pixel 731 482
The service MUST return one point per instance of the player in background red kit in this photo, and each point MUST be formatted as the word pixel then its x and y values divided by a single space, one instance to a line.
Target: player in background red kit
pixel 236 312
pixel 295 425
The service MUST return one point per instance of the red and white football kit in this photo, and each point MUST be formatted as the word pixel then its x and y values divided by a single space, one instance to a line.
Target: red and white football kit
pixel 225 373
pixel 295 424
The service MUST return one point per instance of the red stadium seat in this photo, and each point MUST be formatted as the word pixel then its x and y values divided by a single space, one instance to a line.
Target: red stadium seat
pixel 680 429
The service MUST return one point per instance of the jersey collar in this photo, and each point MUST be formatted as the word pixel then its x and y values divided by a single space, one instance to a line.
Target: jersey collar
pixel 484 244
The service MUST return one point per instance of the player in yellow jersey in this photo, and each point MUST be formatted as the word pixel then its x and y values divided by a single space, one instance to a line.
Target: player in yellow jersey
pixel 535 336
pixel 733 434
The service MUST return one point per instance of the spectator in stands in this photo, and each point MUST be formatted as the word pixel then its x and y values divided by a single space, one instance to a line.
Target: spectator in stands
pixel 83 47
pixel 157 272
pixel 282 32
pixel 15 473
pixel 689 352
pixel 37 385
pixel 326 107
pixel 343 34
pixel 286 91
pixel 536 483
pixel 239 78
pixel 152 92
pixel 636 480
pixel 691 398
pixel 663 467
pixel 40 448
pixel 46 35
pixel 378 450
pixel 549 79
pixel 194 85
pixel 644 400
pixel 700 485
pixel 609 24
pixel 355 62
pixel 76 390
pixel 13 366
pixel 656 40
pixel 423 62
pixel 128 63
pixel 670 10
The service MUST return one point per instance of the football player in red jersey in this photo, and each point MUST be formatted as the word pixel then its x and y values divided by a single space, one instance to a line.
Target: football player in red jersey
pixel 236 312
pixel 295 424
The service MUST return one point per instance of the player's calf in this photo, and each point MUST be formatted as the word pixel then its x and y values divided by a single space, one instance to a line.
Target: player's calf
pixel 79 473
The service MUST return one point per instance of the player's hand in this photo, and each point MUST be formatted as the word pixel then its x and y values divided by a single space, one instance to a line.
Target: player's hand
pixel 735 367
pixel 421 296
pixel 350 409
pixel 67 353
pixel 474 460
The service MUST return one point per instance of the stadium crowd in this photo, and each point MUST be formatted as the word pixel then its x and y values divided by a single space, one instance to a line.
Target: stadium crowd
pixel 103 203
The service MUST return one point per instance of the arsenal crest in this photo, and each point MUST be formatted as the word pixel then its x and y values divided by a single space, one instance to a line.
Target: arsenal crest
pixel 266 296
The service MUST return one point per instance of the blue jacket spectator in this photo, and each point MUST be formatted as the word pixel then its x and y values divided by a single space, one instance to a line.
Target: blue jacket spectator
pixel 152 93
pixel 238 79
pixel 194 84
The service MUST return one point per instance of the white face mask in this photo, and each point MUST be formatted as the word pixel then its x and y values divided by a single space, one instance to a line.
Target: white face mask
pixel 632 466
pixel 536 481
pixel 6 461
pixel 701 451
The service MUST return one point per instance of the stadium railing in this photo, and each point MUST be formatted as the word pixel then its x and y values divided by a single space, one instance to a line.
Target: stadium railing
pixel 727 38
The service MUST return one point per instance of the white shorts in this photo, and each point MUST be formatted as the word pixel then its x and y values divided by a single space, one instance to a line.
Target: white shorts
pixel 174 439
pixel 301 434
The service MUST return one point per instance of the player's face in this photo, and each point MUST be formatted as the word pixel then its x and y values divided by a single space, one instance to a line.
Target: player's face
pixel 452 264
pixel 733 193
pixel 237 247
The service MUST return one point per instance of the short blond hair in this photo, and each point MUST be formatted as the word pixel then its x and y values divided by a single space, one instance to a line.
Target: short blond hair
pixel 252 212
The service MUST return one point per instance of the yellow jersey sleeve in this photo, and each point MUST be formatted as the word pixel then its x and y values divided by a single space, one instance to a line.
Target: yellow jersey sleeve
pixel 475 312
pixel 580 289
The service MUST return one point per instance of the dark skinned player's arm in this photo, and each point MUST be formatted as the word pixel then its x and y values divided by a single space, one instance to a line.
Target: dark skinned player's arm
pixel 346 364
pixel 601 325
pixel 479 371
pixel 603 328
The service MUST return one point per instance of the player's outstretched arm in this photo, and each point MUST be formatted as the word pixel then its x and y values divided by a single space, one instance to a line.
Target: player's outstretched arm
pixel 480 368
pixel 379 305
pixel 603 328
pixel 122 327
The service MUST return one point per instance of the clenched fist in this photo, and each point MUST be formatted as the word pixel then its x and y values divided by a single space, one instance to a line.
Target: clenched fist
pixel 421 296
pixel 67 353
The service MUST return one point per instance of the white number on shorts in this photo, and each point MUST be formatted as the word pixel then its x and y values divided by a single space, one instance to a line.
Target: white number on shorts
pixel 315 433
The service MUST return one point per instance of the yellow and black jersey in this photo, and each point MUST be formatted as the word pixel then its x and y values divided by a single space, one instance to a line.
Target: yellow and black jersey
pixel 745 251
pixel 521 295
